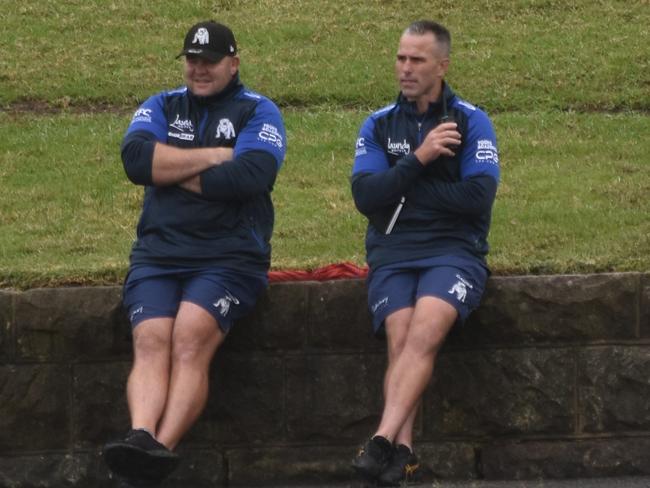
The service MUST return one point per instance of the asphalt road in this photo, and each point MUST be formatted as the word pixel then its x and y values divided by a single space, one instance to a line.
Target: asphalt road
pixel 627 482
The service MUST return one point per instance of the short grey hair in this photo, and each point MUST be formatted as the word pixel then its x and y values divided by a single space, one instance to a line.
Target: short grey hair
pixel 439 31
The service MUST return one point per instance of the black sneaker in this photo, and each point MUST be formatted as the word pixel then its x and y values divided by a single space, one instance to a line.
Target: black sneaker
pixel 402 468
pixel 373 457
pixel 140 458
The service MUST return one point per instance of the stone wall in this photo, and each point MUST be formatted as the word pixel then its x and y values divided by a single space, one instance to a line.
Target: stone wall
pixel 550 378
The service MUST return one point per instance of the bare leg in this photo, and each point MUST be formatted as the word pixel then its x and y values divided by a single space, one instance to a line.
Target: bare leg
pixel 196 337
pixel 149 379
pixel 431 322
pixel 397 327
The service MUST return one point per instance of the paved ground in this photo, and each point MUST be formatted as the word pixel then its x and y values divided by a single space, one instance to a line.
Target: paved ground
pixel 627 482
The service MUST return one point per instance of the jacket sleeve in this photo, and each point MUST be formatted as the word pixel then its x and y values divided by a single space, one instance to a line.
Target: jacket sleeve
pixel 137 156
pixel 258 155
pixel 148 125
pixel 374 191
pixel 473 196
pixel 249 174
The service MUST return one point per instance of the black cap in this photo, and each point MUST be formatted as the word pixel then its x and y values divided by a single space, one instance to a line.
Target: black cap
pixel 210 40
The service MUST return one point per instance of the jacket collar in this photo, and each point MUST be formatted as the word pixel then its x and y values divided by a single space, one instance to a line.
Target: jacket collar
pixel 228 92
pixel 437 107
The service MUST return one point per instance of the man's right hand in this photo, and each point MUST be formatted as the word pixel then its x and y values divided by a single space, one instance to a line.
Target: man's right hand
pixel 440 141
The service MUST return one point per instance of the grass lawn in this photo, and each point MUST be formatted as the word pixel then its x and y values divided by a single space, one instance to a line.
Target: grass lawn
pixel 566 84
pixel 68 213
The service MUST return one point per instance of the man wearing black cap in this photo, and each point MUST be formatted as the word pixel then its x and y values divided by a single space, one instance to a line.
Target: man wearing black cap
pixel 207 155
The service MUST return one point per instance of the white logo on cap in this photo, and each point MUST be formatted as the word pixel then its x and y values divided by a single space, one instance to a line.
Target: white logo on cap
pixel 202 36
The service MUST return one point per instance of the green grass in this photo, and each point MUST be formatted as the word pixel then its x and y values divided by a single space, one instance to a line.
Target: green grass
pixel 566 84
pixel 529 54
pixel 569 201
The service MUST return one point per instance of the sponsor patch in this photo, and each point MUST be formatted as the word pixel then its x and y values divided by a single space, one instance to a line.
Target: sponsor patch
pixel 398 148
pixel 486 152
pixel 360 148
pixel 142 115
pixel 181 135
pixel 182 125
pixel 271 135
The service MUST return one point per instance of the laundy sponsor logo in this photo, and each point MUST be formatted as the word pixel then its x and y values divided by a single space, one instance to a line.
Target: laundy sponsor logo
pixel 398 148
pixel 182 125
pixel 185 127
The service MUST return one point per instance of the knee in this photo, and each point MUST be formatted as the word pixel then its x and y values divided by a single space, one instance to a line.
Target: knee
pixel 424 340
pixel 396 346
pixel 149 345
pixel 186 349
pixel 190 349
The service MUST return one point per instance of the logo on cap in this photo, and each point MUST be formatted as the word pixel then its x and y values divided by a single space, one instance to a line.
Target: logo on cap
pixel 202 36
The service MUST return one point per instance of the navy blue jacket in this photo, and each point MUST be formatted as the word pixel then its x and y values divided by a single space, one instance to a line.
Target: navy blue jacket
pixel 447 208
pixel 231 222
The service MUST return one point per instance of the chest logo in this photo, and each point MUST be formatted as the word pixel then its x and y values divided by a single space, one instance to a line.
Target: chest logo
pixel 181 129
pixel 225 129
pixel 398 148
pixel 182 125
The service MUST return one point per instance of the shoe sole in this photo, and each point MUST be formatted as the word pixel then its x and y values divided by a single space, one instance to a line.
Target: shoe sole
pixel 411 478
pixel 139 464
pixel 365 474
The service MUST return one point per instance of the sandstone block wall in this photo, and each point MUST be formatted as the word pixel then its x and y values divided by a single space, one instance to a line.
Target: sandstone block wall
pixel 550 378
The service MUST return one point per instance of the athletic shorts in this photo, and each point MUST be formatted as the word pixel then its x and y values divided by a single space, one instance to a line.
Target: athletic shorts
pixel 456 280
pixel 157 291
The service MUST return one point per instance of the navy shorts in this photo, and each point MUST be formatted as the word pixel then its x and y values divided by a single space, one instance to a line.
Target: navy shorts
pixel 157 291
pixel 456 280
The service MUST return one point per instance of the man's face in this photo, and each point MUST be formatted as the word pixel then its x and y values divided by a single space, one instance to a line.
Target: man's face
pixel 205 78
pixel 420 66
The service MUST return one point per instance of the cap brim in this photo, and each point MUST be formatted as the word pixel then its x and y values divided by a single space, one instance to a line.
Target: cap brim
pixel 203 53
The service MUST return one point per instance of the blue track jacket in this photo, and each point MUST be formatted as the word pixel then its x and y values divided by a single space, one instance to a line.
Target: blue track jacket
pixel 447 204
pixel 230 224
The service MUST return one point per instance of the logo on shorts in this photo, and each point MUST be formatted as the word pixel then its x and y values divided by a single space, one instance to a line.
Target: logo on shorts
pixel 223 304
pixel 136 312
pixel 460 289
pixel 381 303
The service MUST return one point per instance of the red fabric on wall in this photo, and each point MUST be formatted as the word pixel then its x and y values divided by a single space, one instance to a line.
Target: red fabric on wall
pixel 334 271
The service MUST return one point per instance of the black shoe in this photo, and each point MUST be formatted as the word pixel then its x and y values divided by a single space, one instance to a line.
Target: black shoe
pixel 373 457
pixel 403 467
pixel 140 458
